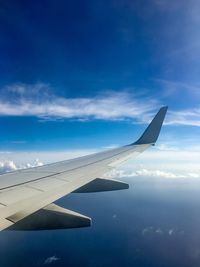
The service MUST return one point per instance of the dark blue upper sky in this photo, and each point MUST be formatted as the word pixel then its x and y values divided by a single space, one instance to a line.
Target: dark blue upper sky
pixel 145 50
pixel 86 46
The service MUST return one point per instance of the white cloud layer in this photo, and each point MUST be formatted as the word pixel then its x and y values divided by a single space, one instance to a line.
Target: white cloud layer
pixel 153 163
pixel 122 173
pixel 9 165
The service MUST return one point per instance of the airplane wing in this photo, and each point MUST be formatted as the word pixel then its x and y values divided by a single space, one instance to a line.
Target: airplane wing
pixel 27 196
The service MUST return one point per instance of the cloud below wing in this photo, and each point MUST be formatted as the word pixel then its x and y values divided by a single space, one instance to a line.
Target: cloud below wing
pixel 9 165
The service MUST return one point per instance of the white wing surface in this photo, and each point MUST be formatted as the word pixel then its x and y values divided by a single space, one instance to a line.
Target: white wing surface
pixel 27 196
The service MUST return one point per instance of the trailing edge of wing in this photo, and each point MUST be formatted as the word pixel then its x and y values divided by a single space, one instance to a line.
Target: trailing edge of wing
pixel 152 132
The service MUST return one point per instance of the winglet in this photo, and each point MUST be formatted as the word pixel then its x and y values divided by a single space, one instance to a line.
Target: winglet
pixel 152 132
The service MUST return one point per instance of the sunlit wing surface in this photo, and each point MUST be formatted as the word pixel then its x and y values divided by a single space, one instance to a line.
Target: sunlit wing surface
pixel 27 196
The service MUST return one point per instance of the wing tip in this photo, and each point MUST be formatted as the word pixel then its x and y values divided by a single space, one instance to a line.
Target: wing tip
pixel 152 132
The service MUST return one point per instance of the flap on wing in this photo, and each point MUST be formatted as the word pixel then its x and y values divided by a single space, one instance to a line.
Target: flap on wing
pixel 49 218
pixel 101 184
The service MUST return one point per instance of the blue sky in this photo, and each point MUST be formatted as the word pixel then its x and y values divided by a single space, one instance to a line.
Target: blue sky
pixel 86 75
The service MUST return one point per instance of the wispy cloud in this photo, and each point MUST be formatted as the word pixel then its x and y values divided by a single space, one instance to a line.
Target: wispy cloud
pixel 187 117
pixel 150 230
pixel 173 87
pixel 19 142
pixel 37 100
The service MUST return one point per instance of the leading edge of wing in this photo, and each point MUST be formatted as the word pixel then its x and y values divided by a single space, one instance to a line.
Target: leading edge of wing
pixel 150 135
